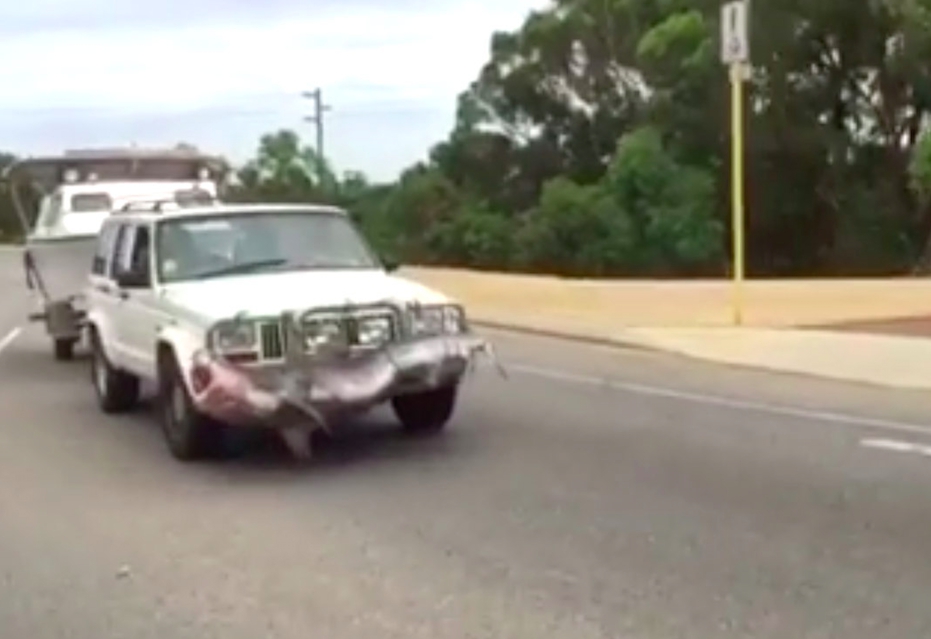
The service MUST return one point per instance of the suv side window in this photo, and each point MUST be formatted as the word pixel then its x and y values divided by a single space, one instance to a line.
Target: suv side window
pixel 105 243
pixel 121 246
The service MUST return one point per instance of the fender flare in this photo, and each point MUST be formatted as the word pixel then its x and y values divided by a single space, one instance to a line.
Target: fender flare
pixel 177 343
pixel 97 322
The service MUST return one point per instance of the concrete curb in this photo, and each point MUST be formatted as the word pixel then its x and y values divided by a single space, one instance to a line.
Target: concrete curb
pixel 638 346
pixel 772 369
pixel 758 367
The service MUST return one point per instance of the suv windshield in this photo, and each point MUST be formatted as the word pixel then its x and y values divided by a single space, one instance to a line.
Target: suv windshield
pixel 200 247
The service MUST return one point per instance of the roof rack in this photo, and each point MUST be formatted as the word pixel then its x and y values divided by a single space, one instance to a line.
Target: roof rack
pixel 157 205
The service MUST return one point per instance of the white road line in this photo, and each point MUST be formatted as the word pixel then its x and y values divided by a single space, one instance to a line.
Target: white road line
pixel 897 446
pixel 9 338
pixel 724 402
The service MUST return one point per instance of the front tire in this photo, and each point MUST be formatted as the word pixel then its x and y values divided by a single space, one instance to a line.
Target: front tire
pixel 116 391
pixel 189 434
pixel 427 412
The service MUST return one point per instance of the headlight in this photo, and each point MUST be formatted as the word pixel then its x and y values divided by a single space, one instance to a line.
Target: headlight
pixel 374 331
pixel 341 332
pixel 323 332
pixel 233 337
pixel 438 320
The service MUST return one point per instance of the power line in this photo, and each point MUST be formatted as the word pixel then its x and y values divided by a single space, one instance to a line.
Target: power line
pixel 402 106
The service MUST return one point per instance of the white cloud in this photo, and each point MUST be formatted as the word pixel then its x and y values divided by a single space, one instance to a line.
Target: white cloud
pixel 389 59
pixel 410 55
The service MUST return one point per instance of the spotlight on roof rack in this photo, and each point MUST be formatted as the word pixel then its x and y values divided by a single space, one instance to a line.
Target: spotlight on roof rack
pixel 71 176
pixel 203 174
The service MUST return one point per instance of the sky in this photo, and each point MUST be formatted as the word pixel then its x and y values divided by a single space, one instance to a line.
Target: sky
pixel 220 73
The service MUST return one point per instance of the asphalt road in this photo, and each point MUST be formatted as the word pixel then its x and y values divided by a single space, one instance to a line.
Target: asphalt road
pixel 594 493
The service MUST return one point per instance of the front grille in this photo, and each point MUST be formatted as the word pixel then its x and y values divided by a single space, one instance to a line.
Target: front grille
pixel 271 340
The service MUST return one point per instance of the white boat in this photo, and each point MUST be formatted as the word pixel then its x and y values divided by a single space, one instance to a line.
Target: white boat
pixel 76 192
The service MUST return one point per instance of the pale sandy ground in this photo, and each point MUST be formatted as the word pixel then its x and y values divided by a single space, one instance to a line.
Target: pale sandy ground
pixel 694 318
pixel 677 303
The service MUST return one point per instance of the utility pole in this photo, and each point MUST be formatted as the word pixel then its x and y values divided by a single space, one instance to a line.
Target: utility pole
pixel 317 119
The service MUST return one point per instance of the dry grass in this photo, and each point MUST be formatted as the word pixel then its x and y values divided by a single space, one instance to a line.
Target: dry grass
pixel 549 302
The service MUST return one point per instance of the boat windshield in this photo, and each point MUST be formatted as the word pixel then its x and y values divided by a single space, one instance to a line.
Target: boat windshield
pixel 91 202
pixel 193 197
pixel 200 247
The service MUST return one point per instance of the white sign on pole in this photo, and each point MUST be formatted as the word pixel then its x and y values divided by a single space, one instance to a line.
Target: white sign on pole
pixel 735 41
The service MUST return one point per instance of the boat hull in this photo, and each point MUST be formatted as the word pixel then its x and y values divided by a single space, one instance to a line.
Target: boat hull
pixel 62 264
pixel 58 270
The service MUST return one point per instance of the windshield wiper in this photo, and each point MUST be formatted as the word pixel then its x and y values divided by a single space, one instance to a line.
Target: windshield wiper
pixel 327 266
pixel 244 267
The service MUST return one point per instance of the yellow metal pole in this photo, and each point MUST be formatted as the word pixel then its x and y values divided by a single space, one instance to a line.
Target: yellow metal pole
pixel 737 188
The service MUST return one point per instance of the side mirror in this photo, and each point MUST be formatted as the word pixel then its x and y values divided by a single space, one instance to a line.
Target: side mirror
pixel 133 279
pixel 391 264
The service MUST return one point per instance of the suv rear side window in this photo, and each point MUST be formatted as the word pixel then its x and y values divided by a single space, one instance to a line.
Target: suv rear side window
pixel 120 248
pixel 139 259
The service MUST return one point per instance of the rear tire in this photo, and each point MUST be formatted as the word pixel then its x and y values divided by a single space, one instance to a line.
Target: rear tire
pixel 117 391
pixel 189 434
pixel 427 412
pixel 64 348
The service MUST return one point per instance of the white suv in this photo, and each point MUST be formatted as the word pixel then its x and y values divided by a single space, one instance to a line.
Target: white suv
pixel 273 316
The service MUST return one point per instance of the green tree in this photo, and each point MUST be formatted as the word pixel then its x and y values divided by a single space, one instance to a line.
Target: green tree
pixel 286 170
pixel 671 205
pixel 836 103
pixel 10 227
pixel 576 230
pixel 477 237
pixel 410 225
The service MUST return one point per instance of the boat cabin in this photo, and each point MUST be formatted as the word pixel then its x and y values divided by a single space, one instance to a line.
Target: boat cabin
pixel 79 189
pixel 80 209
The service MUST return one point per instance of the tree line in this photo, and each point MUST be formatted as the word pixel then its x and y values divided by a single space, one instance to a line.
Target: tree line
pixel 595 141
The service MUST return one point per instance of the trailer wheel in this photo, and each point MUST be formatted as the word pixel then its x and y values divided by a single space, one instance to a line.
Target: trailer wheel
pixel 64 348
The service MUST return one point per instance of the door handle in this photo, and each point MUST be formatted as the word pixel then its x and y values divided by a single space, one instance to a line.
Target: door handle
pixel 111 290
